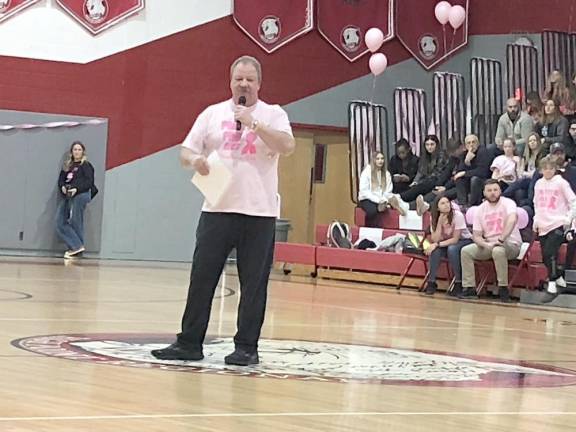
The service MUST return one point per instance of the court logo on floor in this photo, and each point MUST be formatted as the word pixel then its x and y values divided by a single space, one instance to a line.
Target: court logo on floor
pixel 307 361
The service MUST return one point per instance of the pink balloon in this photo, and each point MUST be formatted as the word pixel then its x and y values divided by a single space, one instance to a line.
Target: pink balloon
pixel 374 39
pixel 442 12
pixel 378 63
pixel 457 16
pixel 522 218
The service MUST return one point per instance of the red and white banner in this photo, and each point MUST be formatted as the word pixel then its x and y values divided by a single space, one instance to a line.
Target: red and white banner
pixel 10 8
pixel 424 37
pixel 343 23
pixel 98 15
pixel 274 23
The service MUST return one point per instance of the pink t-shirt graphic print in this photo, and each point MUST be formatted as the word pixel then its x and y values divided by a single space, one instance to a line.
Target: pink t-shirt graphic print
pixel 491 219
pixel 253 165
pixel 552 204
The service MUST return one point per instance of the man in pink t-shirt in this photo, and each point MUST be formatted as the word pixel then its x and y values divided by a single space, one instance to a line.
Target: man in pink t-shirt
pixel 496 236
pixel 248 136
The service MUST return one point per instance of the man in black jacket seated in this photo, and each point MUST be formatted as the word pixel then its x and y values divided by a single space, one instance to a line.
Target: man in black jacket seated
pixel 473 170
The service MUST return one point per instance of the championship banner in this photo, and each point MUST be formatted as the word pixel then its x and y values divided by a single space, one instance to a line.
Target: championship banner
pixel 274 23
pixel 343 23
pixel 98 15
pixel 424 36
pixel 10 8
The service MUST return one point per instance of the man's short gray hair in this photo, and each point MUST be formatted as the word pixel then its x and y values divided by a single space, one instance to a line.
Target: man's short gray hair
pixel 248 60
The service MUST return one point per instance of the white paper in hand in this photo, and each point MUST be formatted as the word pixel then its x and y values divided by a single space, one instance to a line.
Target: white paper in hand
pixel 216 182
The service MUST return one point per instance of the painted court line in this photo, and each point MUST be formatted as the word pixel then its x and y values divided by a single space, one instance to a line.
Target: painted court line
pixel 292 414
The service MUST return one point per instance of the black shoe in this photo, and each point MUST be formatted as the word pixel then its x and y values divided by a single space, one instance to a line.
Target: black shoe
pixel 504 294
pixel 456 290
pixel 431 288
pixel 468 293
pixel 242 358
pixel 177 351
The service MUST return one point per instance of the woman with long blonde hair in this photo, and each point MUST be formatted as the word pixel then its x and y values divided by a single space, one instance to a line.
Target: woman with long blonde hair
pixel 375 192
pixel 76 186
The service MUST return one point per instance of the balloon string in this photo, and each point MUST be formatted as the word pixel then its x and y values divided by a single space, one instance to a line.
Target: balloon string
pixel 453 38
pixel 444 32
pixel 373 89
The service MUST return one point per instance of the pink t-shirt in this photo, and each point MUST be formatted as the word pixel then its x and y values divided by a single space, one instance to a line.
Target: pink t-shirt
pixel 552 204
pixel 490 219
pixel 254 166
pixel 506 166
pixel 458 223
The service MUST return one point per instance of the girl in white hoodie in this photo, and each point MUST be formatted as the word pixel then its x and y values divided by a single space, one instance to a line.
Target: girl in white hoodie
pixel 375 194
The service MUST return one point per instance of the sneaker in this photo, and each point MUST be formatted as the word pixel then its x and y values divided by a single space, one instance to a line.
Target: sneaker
pixel 395 204
pixel 560 282
pixel 177 351
pixel 468 293
pixel 504 294
pixel 552 288
pixel 241 357
pixel 73 253
pixel 421 205
pixel 431 288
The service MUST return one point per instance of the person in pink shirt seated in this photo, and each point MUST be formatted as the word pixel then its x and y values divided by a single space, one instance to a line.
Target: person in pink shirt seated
pixel 496 236
pixel 505 167
pixel 449 235
pixel 554 211
pixel 248 135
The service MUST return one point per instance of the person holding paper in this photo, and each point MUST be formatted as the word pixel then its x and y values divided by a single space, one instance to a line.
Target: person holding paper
pixel 244 216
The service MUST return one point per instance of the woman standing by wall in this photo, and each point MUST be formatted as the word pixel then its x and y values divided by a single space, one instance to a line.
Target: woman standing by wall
pixel 76 184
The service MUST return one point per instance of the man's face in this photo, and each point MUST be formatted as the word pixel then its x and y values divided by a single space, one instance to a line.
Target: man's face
pixel 244 82
pixel 513 109
pixel 559 157
pixel 472 144
pixel 572 130
pixel 492 192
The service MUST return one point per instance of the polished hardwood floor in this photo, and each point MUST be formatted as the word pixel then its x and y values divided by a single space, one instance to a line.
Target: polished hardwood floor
pixel 75 341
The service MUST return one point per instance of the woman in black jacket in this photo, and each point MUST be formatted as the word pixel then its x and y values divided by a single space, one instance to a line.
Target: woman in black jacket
pixel 433 161
pixel 76 185
pixel 403 166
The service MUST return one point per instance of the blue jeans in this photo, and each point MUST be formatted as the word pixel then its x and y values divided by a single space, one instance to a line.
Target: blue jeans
pixel 453 254
pixel 70 220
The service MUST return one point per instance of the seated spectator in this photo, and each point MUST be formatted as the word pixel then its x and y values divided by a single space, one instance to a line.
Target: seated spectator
pixel 473 170
pixel 496 236
pixel 446 185
pixel 375 191
pixel 564 168
pixel 555 209
pixel 403 166
pixel 534 105
pixel 432 164
pixel 554 126
pixel 571 141
pixel 449 235
pixel 515 124
pixel 527 166
pixel 504 167
pixel 556 89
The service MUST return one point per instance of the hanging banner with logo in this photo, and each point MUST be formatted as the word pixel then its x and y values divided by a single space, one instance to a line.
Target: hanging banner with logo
pixel 9 8
pixel 343 23
pixel 425 37
pixel 274 23
pixel 99 15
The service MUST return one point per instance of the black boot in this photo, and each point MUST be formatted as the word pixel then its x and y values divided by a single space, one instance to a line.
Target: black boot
pixel 504 294
pixel 456 290
pixel 431 288
pixel 468 293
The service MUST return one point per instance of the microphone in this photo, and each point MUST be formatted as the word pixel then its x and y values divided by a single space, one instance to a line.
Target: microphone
pixel 241 101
